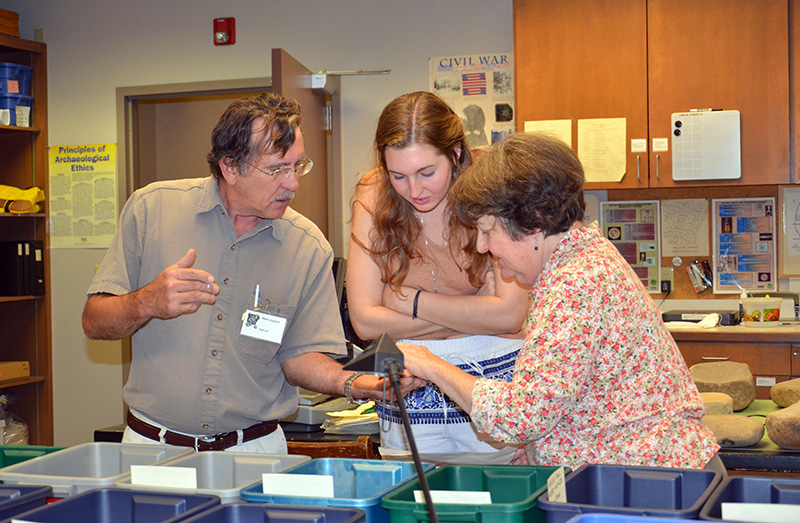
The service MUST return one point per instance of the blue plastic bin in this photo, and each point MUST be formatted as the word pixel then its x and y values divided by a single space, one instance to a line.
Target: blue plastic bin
pixel 619 518
pixel 15 79
pixel 514 490
pixel 15 499
pixel 635 491
pixel 750 489
pixel 260 513
pixel 13 454
pixel 121 506
pixel 11 101
pixel 357 483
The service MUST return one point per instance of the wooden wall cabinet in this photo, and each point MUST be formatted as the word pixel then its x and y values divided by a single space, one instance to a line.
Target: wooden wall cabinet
pixel 25 320
pixel 646 59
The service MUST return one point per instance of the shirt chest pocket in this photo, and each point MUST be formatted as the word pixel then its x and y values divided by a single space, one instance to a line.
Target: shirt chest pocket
pixel 261 350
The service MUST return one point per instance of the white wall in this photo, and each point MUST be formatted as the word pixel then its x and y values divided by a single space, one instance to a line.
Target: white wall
pixel 95 46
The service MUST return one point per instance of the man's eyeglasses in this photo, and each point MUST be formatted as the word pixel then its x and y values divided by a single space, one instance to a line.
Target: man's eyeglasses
pixel 302 168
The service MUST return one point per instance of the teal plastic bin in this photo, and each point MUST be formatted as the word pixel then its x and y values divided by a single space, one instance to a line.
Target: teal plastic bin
pixel 13 454
pixel 121 506
pixel 357 483
pixel 668 493
pixel 514 490
pixel 262 513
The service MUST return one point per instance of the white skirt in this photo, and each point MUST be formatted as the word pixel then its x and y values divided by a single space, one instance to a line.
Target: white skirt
pixel 437 423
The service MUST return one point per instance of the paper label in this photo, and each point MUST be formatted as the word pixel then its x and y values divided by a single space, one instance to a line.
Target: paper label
pixel 556 489
pixel 263 326
pixel 456 497
pixel 318 486
pixel 155 476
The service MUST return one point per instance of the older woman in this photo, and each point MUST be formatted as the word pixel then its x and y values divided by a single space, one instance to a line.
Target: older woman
pixel 599 379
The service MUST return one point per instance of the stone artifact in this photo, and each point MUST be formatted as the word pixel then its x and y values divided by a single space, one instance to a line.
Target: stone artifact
pixel 717 403
pixel 785 393
pixel 729 377
pixel 732 430
pixel 783 427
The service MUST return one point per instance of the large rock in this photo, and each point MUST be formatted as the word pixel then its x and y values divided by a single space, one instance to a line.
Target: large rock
pixel 785 393
pixel 729 377
pixel 731 430
pixel 783 427
pixel 717 403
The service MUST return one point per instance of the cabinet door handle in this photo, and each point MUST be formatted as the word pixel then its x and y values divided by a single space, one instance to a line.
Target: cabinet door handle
pixel 658 164
pixel 714 358
pixel 638 162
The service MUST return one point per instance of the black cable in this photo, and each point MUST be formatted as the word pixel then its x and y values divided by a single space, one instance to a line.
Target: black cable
pixel 394 379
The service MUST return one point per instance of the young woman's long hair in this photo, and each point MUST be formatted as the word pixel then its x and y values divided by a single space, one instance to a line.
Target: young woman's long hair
pixel 417 118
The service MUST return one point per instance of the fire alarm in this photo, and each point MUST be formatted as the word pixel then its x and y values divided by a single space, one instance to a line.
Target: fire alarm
pixel 224 31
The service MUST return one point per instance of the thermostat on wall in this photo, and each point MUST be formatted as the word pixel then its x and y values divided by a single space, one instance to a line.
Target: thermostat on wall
pixel 706 145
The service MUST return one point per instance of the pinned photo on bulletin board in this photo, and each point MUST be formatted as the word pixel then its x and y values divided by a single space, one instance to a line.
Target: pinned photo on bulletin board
pixel 634 229
pixel 744 245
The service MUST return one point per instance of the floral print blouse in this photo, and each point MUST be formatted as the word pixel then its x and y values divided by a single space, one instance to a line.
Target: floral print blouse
pixel 599 379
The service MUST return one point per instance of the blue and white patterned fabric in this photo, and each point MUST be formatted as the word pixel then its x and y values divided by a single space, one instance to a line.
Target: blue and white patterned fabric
pixel 438 424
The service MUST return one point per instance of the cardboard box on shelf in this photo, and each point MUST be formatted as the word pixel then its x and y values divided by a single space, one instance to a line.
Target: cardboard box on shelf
pixel 9 22
pixel 10 370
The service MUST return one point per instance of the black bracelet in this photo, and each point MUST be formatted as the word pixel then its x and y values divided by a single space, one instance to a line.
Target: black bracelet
pixel 416 303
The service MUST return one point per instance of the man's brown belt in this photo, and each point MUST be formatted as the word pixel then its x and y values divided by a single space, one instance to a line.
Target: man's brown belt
pixel 220 441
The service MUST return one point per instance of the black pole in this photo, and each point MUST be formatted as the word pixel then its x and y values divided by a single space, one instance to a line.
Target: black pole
pixel 394 379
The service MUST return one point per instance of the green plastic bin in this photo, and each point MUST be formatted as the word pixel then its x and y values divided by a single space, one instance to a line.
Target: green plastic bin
pixel 514 490
pixel 13 454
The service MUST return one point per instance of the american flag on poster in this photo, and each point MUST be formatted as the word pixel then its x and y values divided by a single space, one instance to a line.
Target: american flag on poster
pixel 473 83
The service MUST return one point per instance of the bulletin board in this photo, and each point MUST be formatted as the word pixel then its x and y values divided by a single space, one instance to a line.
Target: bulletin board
pixel 789 231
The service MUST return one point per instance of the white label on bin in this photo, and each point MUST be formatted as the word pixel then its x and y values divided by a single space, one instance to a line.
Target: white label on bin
pixel 23 116
pixel 764 382
pixel 556 489
pixel 456 497
pixel 155 476
pixel 760 512
pixel 5 116
pixel 318 486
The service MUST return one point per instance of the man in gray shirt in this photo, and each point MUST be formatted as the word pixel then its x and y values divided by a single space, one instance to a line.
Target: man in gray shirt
pixel 227 292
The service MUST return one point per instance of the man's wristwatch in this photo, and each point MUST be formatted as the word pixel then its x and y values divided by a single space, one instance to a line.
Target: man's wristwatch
pixel 348 392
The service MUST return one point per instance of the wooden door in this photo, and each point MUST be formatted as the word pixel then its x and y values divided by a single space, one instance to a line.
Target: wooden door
pixel 722 54
pixel 576 59
pixel 292 79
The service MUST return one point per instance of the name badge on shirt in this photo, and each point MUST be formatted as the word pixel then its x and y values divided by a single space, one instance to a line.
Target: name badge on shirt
pixel 263 326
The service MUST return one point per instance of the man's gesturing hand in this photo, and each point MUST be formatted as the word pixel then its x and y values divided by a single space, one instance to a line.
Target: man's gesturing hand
pixel 180 289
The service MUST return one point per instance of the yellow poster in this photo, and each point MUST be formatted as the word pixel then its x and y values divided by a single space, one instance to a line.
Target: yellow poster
pixel 83 195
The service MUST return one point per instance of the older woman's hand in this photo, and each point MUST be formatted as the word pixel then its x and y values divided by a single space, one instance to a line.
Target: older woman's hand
pixel 418 359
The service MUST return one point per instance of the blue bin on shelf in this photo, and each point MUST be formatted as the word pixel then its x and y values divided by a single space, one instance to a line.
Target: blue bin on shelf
pixel 751 489
pixel 669 493
pixel 15 79
pixel 121 506
pixel 10 102
pixel 259 513
pixel 357 483
pixel 15 499
pixel 13 454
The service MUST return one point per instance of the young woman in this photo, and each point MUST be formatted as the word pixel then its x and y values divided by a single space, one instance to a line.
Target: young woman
pixel 413 273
